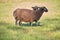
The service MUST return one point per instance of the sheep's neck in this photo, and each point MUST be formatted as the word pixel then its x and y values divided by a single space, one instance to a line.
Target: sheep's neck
pixel 39 14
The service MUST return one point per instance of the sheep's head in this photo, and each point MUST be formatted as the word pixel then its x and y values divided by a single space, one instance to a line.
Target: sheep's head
pixel 44 9
pixel 35 8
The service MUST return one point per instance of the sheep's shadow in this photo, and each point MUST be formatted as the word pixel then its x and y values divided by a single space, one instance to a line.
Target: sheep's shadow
pixel 33 24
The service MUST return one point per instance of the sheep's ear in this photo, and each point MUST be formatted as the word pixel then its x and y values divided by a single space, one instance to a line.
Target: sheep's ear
pixel 32 7
pixel 39 7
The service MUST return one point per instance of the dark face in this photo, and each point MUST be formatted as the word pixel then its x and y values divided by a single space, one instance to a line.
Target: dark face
pixel 35 8
pixel 45 9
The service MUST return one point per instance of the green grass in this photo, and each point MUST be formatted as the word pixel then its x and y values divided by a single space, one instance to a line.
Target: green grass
pixel 49 24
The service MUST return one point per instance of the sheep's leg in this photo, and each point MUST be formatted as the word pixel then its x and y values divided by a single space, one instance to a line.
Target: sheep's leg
pixel 20 22
pixel 36 22
pixel 30 23
pixel 16 22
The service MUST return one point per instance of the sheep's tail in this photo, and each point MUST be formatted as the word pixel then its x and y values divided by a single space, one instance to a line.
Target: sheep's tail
pixel 14 16
pixel 14 13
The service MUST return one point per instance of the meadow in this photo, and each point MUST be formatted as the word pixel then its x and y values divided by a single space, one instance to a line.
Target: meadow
pixel 49 24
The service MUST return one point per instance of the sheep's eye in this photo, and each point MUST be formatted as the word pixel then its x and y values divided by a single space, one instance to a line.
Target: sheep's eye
pixel 42 9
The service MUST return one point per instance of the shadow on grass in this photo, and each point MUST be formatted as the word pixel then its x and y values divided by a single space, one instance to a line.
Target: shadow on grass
pixel 2 23
pixel 17 27
pixel 33 24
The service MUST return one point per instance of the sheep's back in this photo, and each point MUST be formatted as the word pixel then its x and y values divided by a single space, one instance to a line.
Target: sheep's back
pixel 26 15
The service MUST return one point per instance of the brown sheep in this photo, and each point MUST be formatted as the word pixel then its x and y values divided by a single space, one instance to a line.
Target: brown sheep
pixel 28 15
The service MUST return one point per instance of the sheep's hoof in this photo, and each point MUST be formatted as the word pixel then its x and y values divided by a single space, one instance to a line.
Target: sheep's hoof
pixel 30 24
pixel 20 24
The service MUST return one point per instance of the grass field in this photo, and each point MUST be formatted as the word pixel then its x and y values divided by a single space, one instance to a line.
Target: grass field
pixel 49 28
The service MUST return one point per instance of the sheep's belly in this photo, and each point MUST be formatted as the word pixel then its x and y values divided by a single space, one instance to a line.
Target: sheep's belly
pixel 25 19
pixel 28 19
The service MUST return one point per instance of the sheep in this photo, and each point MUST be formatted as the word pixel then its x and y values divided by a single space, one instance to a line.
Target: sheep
pixel 27 15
